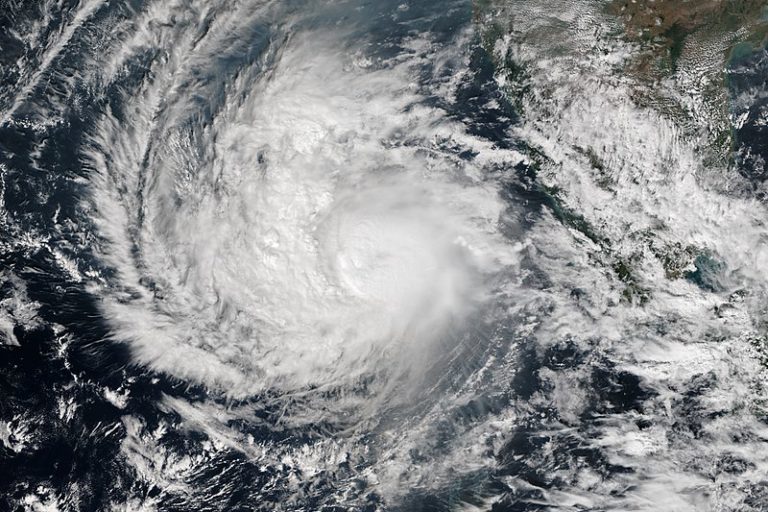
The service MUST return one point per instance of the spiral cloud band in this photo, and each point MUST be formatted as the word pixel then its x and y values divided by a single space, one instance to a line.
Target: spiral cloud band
pixel 317 226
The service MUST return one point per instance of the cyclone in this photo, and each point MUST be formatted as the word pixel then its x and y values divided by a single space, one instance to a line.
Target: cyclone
pixel 378 256
pixel 311 230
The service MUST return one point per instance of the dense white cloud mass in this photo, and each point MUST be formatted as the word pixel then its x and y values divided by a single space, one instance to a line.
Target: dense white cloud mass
pixel 313 232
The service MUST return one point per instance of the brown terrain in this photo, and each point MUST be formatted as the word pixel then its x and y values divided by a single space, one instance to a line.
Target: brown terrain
pixel 665 25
